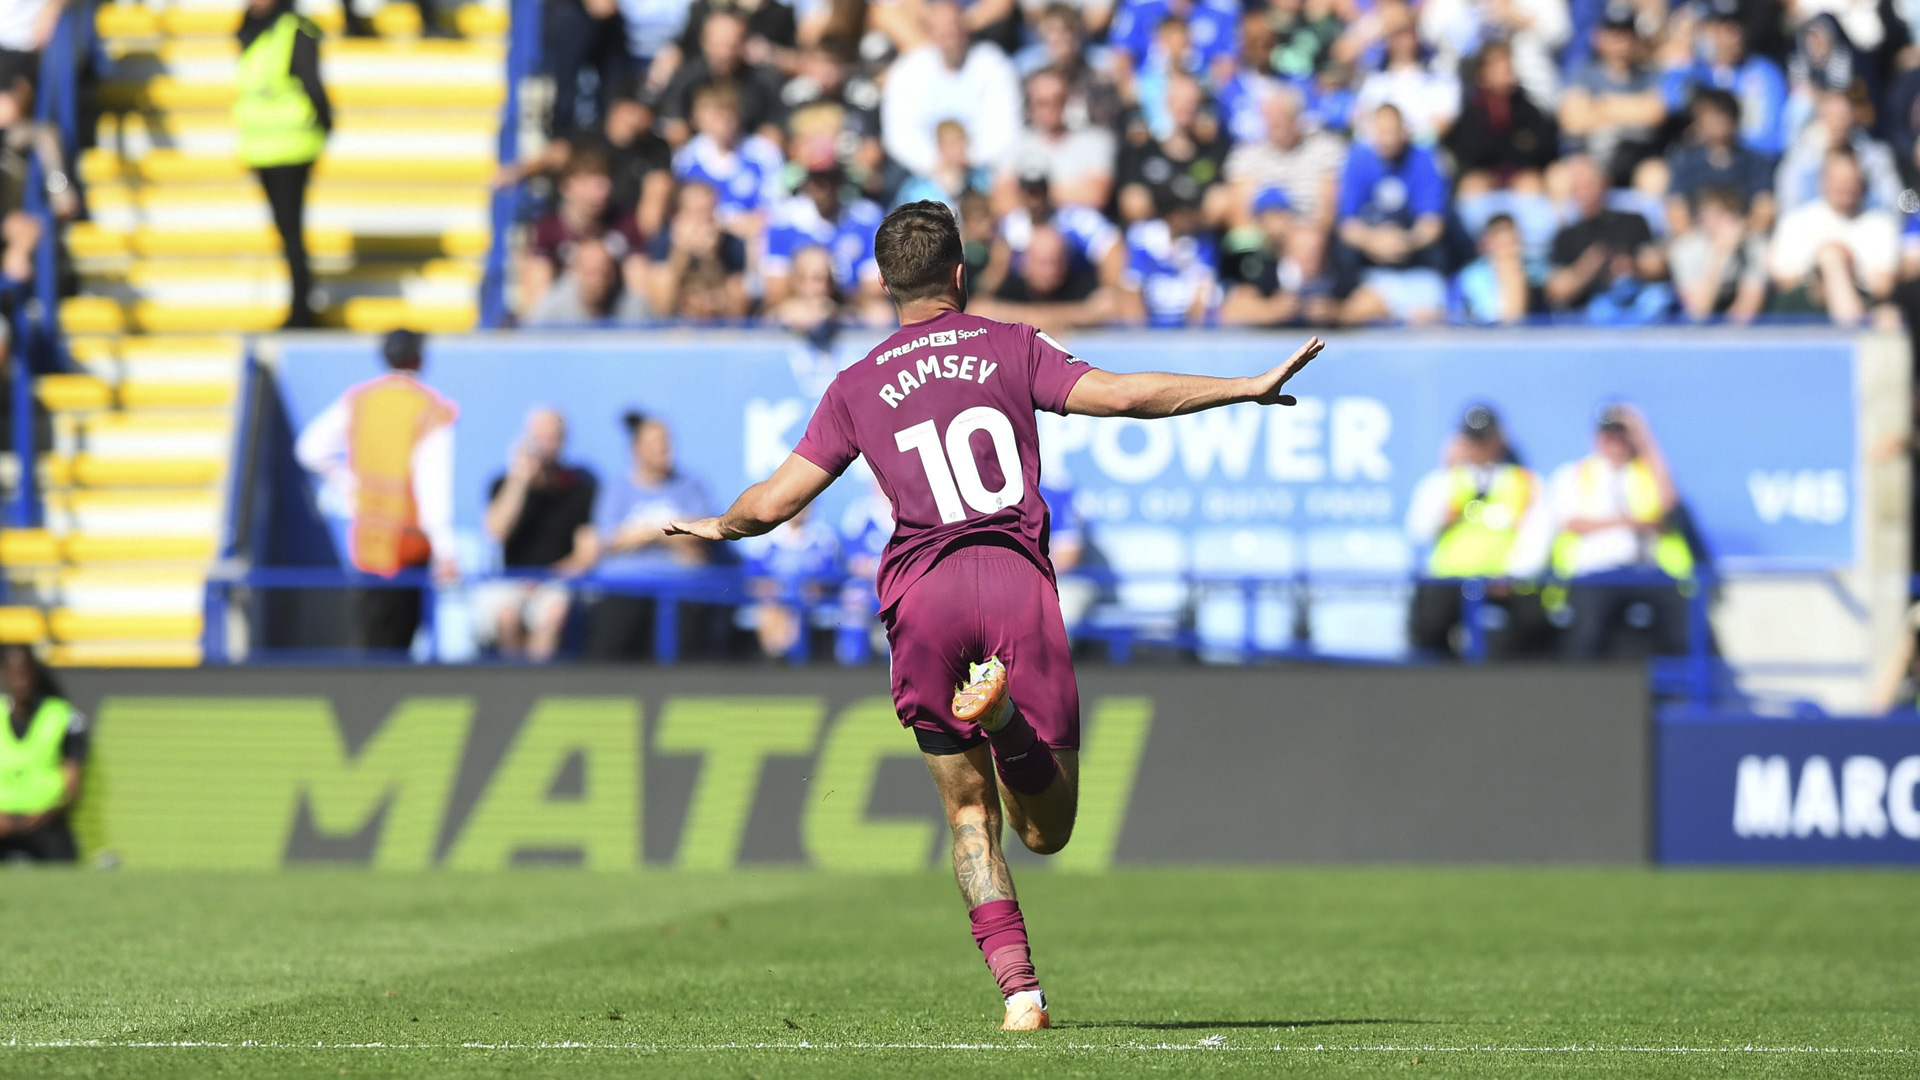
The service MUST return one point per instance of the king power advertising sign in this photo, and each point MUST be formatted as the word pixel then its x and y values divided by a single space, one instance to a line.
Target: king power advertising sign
pixel 1750 790
pixel 1322 485
pixel 609 769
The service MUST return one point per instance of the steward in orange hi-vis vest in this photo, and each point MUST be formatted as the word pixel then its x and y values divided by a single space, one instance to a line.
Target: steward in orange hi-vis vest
pixel 388 417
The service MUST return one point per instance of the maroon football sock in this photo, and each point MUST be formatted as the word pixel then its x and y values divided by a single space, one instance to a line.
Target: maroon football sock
pixel 1025 764
pixel 1001 933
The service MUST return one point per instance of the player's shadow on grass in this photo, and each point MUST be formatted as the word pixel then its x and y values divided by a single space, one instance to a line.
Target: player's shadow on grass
pixel 1201 1025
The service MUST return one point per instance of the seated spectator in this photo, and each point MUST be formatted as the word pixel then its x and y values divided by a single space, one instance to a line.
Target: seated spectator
pixel 24 139
pixel 1050 289
pixel 1211 28
pixel 1092 241
pixel 722 60
pixel 828 103
pixel 789 571
pixel 1240 90
pixel 1498 288
pixel 1078 163
pixel 632 512
pixel 1532 32
pixel 1835 254
pixel 1303 35
pixel 698 270
pixel 821 214
pixel 1720 267
pixel 1170 278
pixel 1250 266
pixel 1822 60
pixel 1614 106
pixel 585 212
pixel 772 27
pixel 1305 164
pixel 1180 171
pixel 589 292
pixel 1603 255
pixel 1093 100
pixel 744 173
pixel 1799 178
pixel 580 36
pixel 1330 98
pixel 1754 82
pixel 1713 158
pixel 1428 99
pixel 1392 198
pixel 1502 139
pixel 813 304
pixel 540 512
pixel 641 162
pixel 949 77
pixel 953 177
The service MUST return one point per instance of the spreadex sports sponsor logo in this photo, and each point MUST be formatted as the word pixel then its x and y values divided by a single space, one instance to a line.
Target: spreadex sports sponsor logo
pixel 928 341
pixel 1868 800
pixel 230 782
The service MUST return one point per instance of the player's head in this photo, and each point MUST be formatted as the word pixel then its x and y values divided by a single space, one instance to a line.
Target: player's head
pixel 920 255
pixel 402 350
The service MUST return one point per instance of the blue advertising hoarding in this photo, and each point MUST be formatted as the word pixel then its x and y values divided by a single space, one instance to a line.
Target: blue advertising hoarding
pixel 1743 789
pixel 1760 427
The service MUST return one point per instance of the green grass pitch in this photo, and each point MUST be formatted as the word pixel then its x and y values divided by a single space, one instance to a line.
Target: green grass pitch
pixel 789 974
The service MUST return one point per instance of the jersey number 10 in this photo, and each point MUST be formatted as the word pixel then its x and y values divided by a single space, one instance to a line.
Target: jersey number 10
pixel 953 475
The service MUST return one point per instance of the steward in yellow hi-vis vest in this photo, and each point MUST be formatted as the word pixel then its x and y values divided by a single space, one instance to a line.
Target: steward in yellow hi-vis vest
pixel 385 453
pixel 42 748
pixel 281 111
pixel 1482 518
pixel 1616 511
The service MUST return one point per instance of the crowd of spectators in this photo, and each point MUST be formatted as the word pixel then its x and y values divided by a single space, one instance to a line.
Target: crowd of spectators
pixel 1239 162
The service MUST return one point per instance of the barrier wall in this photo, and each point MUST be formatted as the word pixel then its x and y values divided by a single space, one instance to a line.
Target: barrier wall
pixel 1773 478
pixel 1748 789
pixel 397 768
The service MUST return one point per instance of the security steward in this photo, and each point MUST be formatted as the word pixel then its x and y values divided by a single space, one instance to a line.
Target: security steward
pixel 1617 512
pixel 1482 515
pixel 384 453
pixel 41 752
pixel 283 117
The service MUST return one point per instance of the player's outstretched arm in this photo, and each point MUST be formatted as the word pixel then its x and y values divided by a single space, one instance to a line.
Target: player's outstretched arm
pixel 766 504
pixel 1151 395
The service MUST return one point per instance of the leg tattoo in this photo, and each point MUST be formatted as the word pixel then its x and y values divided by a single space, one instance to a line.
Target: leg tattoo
pixel 978 864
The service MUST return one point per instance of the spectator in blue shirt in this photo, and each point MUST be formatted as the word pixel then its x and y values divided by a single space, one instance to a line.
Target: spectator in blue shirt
pixel 1753 81
pixel 820 214
pixel 1170 278
pixel 1392 198
pixel 1714 158
pixel 788 571
pixel 1498 288
pixel 745 172
pixel 1213 30
pixel 629 517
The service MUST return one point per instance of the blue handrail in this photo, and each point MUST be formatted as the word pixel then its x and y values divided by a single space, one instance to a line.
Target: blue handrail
pixel 523 59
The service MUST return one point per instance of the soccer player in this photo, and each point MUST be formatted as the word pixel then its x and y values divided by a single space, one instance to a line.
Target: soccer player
pixel 944 412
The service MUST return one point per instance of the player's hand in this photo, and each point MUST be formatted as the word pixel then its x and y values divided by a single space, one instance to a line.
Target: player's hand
pixel 1268 386
pixel 705 529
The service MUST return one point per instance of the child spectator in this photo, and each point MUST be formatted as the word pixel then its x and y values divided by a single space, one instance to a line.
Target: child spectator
pixel 952 177
pixel 1250 266
pixel 1498 288
pixel 743 172
pixel 1720 267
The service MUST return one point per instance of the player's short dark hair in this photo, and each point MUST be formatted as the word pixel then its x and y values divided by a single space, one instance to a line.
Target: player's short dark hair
pixel 917 247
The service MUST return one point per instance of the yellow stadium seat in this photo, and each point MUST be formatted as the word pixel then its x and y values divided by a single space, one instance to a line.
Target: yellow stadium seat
pixel 160 318
pixel 91 315
pixel 28 547
pixel 466 243
pixel 86 549
pixel 22 626
pixel 90 626
pixel 379 314
pixel 201 21
pixel 72 393
pixel 397 21
pixel 136 394
pixel 479 20
pixel 86 240
pixel 122 654
pixel 91 470
pixel 125 20
pixel 99 165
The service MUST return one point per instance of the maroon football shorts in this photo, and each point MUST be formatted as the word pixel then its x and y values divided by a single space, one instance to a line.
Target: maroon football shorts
pixel 979 601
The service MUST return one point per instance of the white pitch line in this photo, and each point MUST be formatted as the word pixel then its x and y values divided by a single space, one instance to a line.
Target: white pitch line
pixel 1203 1046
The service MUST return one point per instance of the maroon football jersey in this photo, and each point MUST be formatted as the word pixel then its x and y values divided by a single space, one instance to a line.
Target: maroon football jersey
pixel 943 411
